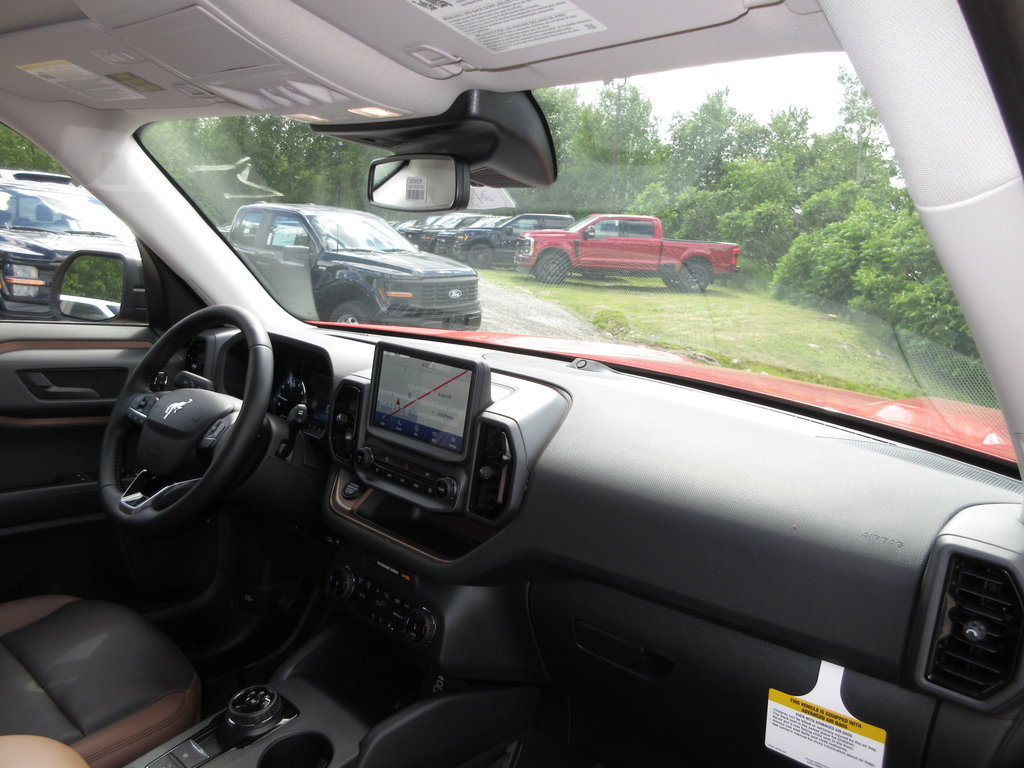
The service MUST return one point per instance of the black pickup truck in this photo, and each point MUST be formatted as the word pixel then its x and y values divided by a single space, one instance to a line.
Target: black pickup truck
pixel 348 266
pixel 483 247
pixel 44 218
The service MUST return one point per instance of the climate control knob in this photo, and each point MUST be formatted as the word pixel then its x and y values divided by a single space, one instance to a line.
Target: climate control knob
pixel 364 457
pixel 419 626
pixel 340 583
pixel 446 489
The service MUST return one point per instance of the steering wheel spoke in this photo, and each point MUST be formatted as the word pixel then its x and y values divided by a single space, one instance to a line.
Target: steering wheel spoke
pixel 140 406
pixel 148 493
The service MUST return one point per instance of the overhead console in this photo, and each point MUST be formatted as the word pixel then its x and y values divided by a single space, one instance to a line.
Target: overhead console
pixel 446 446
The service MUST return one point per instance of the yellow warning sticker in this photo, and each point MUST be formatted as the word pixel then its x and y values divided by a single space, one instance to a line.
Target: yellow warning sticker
pixel 135 82
pixel 820 736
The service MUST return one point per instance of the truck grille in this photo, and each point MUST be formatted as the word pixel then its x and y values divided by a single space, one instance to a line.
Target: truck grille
pixel 444 244
pixel 437 292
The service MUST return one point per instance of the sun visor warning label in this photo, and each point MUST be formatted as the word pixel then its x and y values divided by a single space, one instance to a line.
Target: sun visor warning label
pixel 508 25
pixel 83 82
pixel 811 730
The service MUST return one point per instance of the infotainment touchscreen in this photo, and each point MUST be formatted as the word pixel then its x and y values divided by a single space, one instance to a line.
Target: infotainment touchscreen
pixel 423 399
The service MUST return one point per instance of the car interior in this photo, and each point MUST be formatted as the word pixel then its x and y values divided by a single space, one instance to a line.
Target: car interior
pixel 230 536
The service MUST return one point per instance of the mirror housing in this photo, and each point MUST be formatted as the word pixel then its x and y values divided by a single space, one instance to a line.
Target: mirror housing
pixel 419 183
pixel 93 286
pixel 502 138
pixel 588 233
pixel 298 254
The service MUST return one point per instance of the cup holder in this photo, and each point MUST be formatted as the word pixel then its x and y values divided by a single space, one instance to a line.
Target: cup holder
pixel 300 750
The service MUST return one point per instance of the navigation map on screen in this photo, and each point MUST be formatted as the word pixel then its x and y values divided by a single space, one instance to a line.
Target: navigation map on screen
pixel 423 399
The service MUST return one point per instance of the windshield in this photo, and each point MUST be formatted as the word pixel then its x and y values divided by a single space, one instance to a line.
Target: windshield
pixel 343 231
pixel 72 210
pixel 744 224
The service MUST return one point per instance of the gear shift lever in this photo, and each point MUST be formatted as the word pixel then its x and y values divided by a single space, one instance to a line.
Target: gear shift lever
pixel 251 712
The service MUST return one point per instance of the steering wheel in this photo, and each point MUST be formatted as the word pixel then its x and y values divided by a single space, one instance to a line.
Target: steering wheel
pixel 192 442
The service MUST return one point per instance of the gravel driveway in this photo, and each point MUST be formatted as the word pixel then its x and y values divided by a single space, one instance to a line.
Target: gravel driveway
pixel 509 311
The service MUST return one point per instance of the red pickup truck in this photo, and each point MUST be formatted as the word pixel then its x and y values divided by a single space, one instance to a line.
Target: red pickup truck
pixel 607 243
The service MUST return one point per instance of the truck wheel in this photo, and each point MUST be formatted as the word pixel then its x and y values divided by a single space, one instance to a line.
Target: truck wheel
pixel 694 276
pixel 480 256
pixel 552 269
pixel 350 312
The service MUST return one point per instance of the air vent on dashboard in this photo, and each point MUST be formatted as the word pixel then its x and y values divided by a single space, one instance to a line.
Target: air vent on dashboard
pixel 977 638
pixel 195 356
pixel 495 469
pixel 344 421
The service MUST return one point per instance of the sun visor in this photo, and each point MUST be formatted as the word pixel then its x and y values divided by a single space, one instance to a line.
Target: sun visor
pixel 441 38
pixel 503 136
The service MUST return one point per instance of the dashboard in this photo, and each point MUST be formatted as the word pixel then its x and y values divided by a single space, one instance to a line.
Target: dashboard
pixel 635 543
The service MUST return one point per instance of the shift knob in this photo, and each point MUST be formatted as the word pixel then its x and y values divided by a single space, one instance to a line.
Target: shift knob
pixel 255 706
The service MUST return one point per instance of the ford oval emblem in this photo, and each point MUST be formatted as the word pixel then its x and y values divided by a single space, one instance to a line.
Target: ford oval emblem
pixel 454 293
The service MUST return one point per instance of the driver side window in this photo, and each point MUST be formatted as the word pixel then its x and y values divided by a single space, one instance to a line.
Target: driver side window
pixel 606 228
pixel 287 231
pixel 45 218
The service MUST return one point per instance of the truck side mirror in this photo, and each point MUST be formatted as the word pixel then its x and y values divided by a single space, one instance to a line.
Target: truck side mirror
pixel 588 233
pixel 298 254
pixel 509 230
pixel 98 286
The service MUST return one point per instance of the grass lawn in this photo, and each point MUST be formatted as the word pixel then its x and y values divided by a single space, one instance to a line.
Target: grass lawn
pixel 749 331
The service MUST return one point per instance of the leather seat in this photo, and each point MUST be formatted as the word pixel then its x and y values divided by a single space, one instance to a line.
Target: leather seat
pixel 93 675
pixel 37 752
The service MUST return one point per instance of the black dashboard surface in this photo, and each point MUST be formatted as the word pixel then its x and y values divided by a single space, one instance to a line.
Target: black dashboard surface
pixel 645 509
pixel 793 529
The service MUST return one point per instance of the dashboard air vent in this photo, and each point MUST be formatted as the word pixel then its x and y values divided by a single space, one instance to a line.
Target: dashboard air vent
pixel 495 469
pixel 195 356
pixel 344 421
pixel 978 634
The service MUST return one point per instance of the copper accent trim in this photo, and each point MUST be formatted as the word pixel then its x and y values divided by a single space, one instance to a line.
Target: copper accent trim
pixel 339 503
pixel 17 346
pixel 141 731
pixel 349 509
pixel 16 614
pixel 25 422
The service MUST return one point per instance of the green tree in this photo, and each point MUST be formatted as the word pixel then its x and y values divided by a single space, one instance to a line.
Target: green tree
pixel 19 153
pixel 703 142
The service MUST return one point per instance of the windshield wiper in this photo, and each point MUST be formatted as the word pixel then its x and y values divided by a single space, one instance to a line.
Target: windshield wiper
pixel 87 232
pixel 31 229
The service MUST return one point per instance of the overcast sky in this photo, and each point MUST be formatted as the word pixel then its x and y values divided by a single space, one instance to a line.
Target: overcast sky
pixel 758 87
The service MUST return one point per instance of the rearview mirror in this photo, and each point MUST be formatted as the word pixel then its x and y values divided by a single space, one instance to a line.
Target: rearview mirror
pixel 419 183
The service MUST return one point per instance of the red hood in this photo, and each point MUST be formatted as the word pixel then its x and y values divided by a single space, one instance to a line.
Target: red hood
pixel 973 427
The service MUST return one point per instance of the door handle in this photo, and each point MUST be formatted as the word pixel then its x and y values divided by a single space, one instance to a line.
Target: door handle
pixel 43 388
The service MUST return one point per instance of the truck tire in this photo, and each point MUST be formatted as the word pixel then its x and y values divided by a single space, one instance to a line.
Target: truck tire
pixel 694 276
pixel 480 256
pixel 552 268
pixel 349 312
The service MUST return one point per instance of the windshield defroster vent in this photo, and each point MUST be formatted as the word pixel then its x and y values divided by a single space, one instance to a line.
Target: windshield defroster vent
pixel 977 639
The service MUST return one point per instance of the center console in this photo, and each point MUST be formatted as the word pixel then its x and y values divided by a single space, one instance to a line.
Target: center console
pixel 303 720
pixel 445 445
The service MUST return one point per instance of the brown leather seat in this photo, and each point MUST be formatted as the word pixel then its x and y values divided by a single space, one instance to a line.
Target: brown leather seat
pixel 92 675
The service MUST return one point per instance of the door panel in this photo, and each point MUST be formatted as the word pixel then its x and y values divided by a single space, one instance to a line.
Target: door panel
pixel 58 382
pixel 55 395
